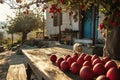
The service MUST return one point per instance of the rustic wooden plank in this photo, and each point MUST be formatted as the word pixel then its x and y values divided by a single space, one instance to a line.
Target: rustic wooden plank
pixel 16 72
pixel 60 52
pixel 43 67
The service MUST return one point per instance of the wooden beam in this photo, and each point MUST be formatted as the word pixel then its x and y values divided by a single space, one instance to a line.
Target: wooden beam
pixel 94 25
pixel 80 23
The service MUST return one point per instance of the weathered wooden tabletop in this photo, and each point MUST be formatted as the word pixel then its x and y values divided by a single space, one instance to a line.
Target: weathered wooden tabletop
pixel 43 68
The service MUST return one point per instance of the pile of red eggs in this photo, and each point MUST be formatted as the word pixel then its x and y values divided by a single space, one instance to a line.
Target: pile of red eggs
pixel 89 67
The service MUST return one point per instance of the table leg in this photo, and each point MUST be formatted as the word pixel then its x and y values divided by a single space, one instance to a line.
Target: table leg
pixel 29 72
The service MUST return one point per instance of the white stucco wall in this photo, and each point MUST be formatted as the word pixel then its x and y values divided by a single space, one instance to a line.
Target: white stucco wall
pixel 75 25
pixel 66 22
pixel 50 29
pixel 55 29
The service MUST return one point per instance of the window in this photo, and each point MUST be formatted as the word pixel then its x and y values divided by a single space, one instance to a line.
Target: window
pixel 57 20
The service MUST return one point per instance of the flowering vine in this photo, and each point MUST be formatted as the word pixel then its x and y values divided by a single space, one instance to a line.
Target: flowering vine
pixel 110 8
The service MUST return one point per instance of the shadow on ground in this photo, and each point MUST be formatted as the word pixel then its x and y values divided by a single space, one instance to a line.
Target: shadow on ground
pixel 9 58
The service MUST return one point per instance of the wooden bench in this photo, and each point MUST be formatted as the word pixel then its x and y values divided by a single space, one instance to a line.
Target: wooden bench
pixel 16 72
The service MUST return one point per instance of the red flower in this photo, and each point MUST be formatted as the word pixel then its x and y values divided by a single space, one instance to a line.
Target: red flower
pixel 51 10
pixel 101 26
pixel 105 19
pixel 54 6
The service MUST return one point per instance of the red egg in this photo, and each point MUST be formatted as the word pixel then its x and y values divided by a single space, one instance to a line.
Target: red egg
pixel 82 55
pixel 75 67
pixel 64 66
pixel 86 73
pixel 67 56
pixel 76 54
pixel 80 60
pixel 106 59
pixel 53 57
pixel 97 60
pixel 110 64
pixel 99 69
pixel 87 57
pixel 113 73
pixel 94 57
pixel 102 77
pixel 75 57
pixel 70 60
pixel 87 63
pixel 59 60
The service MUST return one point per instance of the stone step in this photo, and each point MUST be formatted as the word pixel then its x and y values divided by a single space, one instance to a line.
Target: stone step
pixel 83 41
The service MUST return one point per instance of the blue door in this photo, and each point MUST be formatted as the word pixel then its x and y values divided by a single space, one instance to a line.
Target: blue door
pixel 87 23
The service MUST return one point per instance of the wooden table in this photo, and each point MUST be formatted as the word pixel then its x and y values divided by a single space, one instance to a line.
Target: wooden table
pixel 39 61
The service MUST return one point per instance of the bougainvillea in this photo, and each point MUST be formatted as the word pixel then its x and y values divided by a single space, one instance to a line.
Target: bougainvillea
pixel 110 8
pixel 54 9
pixel 110 21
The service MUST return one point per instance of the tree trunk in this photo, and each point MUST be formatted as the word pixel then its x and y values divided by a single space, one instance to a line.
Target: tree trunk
pixel 12 38
pixel 24 37
pixel 112 44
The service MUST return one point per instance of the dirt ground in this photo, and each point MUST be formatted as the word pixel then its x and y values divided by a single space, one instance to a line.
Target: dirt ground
pixel 8 58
